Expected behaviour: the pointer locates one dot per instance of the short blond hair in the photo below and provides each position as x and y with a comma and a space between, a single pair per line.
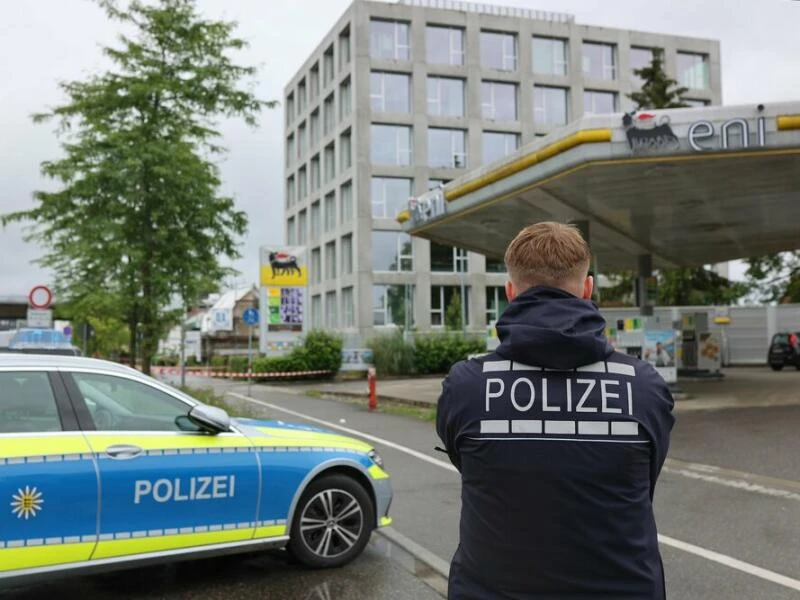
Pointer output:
547, 253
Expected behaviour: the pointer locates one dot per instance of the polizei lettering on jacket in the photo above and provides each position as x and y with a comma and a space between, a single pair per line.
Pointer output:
582, 395
185, 489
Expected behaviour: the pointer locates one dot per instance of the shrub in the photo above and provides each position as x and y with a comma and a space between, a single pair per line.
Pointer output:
436, 354
191, 361
219, 362
392, 355
237, 364
323, 351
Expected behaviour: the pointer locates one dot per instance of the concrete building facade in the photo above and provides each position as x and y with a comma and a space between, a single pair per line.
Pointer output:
401, 97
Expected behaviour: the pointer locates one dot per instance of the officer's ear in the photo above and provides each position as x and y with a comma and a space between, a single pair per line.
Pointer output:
511, 292
588, 287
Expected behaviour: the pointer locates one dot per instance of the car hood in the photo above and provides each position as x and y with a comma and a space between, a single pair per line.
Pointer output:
299, 434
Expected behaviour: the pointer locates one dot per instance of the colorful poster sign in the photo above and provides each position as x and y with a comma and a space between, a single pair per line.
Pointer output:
659, 351
284, 279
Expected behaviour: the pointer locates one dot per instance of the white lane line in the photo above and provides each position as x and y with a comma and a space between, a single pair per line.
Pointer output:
723, 559
733, 563
758, 484
353, 432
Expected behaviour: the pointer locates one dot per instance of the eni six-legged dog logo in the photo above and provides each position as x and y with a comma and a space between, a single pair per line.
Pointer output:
647, 133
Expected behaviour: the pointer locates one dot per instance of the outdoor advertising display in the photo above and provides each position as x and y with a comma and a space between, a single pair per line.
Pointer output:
283, 298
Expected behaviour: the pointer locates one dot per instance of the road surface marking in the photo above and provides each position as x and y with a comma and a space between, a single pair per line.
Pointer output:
723, 559
758, 484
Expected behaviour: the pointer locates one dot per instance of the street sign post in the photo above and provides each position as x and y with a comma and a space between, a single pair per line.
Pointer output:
251, 319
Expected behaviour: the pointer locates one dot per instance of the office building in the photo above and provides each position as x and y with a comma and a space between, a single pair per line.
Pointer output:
401, 97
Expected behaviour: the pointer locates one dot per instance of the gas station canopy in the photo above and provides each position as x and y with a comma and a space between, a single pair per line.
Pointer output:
687, 186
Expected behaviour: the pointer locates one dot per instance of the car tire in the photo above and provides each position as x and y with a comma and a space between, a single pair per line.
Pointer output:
776, 367
332, 523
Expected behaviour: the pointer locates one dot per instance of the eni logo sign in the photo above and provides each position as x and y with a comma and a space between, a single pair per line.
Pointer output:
648, 133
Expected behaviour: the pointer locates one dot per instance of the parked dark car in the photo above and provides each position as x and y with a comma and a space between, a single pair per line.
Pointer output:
784, 350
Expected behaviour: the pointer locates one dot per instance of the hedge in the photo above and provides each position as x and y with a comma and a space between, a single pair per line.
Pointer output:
424, 355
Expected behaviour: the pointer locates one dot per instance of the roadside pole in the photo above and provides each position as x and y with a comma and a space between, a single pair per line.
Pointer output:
183, 351
251, 318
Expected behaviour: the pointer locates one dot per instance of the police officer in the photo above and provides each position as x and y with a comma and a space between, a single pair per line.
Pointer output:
559, 441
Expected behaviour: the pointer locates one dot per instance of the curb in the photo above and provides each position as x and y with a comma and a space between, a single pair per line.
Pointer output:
435, 571
395, 399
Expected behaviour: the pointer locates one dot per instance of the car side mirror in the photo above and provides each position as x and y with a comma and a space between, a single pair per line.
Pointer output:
210, 419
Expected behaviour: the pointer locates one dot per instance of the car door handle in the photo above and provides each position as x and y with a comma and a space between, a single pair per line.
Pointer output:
123, 451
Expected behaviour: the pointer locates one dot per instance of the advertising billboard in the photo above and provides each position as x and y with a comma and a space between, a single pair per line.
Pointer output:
283, 282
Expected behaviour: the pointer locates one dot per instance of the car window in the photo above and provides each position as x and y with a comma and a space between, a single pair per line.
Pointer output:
118, 404
27, 403
780, 338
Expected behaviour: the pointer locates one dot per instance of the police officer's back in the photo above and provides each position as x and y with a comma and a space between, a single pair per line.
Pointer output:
559, 440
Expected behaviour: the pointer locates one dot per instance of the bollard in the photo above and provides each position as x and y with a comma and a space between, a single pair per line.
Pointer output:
373, 398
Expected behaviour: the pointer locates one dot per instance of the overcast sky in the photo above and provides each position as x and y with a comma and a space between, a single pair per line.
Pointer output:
46, 41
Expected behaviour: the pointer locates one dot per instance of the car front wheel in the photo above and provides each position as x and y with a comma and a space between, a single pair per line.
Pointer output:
332, 523
776, 367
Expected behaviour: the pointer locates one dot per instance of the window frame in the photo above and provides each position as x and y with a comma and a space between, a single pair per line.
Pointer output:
564, 61
452, 51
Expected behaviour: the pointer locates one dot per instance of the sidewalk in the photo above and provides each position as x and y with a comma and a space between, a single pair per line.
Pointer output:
742, 387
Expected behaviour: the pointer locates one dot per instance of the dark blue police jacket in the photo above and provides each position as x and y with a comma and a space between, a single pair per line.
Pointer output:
559, 440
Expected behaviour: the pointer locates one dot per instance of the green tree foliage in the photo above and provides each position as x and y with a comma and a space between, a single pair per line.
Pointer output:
658, 90
137, 215
697, 287
453, 319
775, 277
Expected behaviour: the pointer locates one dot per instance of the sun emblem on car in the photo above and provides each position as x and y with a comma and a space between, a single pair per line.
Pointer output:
26, 503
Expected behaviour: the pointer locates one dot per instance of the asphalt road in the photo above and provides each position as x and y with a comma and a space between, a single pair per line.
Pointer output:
727, 506
751, 514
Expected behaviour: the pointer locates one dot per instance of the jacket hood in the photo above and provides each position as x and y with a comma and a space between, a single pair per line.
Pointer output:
551, 328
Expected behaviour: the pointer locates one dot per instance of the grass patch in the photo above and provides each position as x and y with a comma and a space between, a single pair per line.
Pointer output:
418, 413
210, 397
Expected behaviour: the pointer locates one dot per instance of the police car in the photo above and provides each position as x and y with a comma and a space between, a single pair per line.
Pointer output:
103, 467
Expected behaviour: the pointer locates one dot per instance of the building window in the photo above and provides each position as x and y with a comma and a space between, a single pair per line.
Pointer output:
331, 312
301, 140
390, 145
289, 109
315, 174
549, 105
345, 151
316, 312
444, 45
693, 102
390, 92
499, 101
313, 130
313, 82
344, 48
389, 195
347, 254
348, 308
391, 251
496, 302
302, 99
448, 259
291, 150
599, 61
316, 266
693, 70
291, 192
389, 40
346, 203
291, 232
302, 228
393, 305
447, 148
497, 145
640, 58
599, 103
328, 66
330, 162
316, 220
345, 99
442, 296
330, 212
495, 266
302, 183
549, 56
329, 114
330, 260
498, 51
445, 97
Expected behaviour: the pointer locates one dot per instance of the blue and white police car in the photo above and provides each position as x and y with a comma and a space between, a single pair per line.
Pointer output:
103, 467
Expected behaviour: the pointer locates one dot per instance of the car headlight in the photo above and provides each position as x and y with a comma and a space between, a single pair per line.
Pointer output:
376, 458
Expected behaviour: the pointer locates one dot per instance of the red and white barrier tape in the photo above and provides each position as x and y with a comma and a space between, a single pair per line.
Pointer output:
210, 373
